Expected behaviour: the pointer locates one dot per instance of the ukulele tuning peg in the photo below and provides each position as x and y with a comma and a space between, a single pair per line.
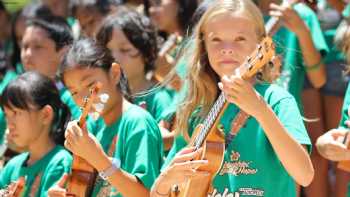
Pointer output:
259, 47
259, 76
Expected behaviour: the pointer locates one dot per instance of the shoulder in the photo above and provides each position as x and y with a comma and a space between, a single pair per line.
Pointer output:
60, 157
273, 93
137, 120
17, 161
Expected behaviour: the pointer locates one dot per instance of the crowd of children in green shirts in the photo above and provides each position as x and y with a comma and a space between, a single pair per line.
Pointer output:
63, 53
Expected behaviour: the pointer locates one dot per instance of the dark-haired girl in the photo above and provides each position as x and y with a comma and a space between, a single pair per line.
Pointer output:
172, 17
44, 43
132, 40
36, 119
90, 13
128, 148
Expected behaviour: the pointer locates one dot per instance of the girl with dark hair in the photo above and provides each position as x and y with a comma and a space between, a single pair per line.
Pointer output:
36, 119
48, 37
127, 150
132, 40
172, 17
89, 14
33, 10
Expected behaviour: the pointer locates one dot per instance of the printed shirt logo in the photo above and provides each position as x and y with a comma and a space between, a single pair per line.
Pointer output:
237, 167
241, 192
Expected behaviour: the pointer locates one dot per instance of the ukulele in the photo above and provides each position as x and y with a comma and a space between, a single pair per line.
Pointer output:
82, 178
14, 189
210, 136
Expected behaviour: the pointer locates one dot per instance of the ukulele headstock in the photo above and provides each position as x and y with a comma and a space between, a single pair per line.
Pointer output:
94, 103
261, 56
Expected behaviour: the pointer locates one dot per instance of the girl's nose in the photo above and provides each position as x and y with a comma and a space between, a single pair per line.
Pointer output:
226, 51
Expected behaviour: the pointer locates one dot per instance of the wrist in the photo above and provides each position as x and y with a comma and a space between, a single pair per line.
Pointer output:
262, 110
114, 167
101, 162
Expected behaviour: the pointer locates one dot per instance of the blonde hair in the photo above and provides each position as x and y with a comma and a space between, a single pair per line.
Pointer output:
201, 78
342, 40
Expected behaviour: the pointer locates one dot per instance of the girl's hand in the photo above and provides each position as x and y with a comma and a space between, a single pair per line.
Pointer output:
82, 143
185, 165
243, 94
330, 145
289, 18
59, 190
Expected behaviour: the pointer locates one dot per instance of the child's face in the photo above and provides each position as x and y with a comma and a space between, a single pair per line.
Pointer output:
127, 55
89, 21
79, 81
38, 52
229, 39
25, 126
163, 13
58, 7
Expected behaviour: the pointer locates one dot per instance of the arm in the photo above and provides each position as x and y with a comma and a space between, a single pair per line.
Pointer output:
86, 146
311, 56
291, 154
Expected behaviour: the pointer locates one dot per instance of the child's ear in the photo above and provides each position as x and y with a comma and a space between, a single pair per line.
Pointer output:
115, 72
46, 114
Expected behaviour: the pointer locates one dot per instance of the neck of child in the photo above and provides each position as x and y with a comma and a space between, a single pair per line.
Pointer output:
118, 106
40, 147
139, 84
175, 29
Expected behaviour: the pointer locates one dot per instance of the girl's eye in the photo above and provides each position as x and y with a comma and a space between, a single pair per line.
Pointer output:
240, 38
37, 47
216, 39
125, 50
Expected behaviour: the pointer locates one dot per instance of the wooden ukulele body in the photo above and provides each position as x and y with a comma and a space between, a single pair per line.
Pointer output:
213, 151
82, 179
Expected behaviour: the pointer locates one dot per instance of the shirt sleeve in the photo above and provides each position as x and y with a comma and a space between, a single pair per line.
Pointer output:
288, 113
54, 173
143, 151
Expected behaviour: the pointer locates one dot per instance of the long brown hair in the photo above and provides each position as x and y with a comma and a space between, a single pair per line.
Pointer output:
201, 78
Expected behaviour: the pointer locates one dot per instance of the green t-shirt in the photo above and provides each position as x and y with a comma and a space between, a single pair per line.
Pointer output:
287, 44
9, 76
48, 170
155, 102
139, 147
346, 11
250, 164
